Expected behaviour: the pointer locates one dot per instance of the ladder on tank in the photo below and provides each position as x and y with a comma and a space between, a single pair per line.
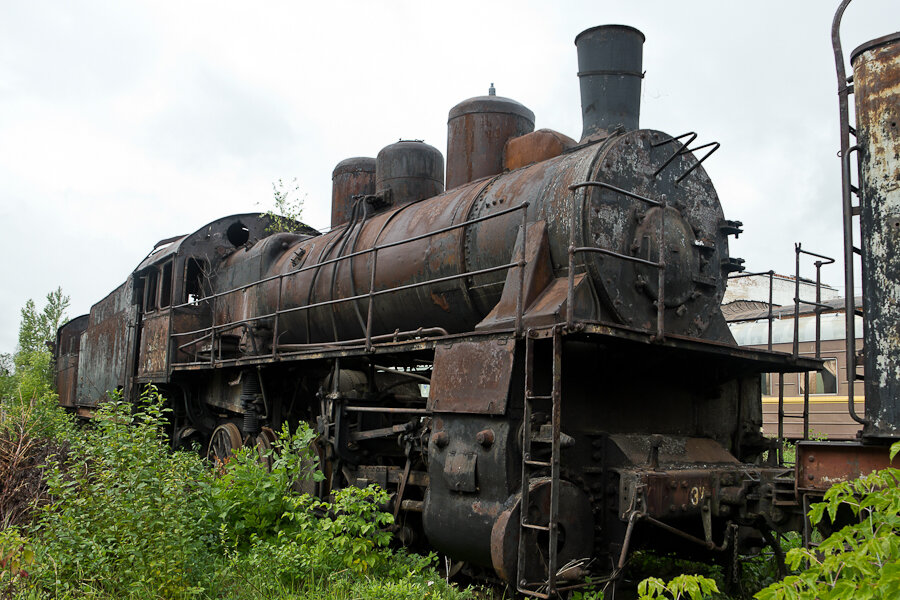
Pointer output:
850, 210
530, 465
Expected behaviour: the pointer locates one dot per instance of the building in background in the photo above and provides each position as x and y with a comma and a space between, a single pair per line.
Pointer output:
746, 309
756, 288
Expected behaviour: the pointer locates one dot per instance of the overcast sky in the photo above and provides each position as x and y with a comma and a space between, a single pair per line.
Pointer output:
123, 123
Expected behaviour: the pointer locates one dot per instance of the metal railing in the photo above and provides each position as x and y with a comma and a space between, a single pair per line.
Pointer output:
819, 307
216, 329
660, 265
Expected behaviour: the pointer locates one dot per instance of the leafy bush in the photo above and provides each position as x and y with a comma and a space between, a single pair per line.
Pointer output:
694, 587
16, 557
347, 536
861, 560
248, 500
120, 515
127, 516
344, 542
130, 518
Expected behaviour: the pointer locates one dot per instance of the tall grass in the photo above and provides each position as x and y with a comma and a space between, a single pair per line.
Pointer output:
124, 517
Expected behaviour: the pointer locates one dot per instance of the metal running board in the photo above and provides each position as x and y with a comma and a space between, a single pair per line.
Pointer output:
547, 588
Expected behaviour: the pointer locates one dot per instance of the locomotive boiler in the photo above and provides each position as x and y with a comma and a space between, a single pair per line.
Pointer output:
532, 362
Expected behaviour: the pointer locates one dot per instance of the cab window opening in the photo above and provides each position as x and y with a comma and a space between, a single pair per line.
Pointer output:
139, 296
150, 291
165, 292
193, 280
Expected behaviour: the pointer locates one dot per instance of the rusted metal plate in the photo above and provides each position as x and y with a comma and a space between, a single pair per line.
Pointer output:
472, 377
675, 493
552, 305
154, 351
820, 465
459, 471
672, 450
105, 347
537, 276
66, 350
67, 379
721, 354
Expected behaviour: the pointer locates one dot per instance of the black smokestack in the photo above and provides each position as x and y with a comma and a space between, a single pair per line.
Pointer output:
610, 73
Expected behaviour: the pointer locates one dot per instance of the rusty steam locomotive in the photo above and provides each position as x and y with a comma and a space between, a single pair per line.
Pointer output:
532, 362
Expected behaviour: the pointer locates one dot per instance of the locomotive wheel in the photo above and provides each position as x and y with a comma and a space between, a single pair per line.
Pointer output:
264, 440
225, 439
576, 531
186, 436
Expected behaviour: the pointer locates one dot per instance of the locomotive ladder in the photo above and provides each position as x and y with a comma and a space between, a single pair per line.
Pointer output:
848, 190
530, 465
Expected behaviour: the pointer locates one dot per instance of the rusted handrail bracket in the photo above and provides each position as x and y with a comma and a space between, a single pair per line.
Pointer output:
685, 150
613, 188
369, 295
520, 294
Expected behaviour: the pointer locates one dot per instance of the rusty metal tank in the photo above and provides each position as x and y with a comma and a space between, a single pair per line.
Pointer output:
351, 177
534, 147
876, 80
477, 130
411, 170
696, 247
609, 74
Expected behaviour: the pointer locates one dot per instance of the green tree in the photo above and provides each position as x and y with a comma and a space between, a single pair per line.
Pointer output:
7, 369
39, 327
28, 373
285, 217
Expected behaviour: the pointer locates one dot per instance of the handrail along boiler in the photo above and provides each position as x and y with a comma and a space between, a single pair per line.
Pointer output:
560, 300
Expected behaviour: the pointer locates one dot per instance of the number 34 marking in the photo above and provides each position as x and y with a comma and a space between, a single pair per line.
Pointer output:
698, 494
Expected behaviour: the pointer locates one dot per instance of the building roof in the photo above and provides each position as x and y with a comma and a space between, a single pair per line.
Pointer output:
748, 322
751, 310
